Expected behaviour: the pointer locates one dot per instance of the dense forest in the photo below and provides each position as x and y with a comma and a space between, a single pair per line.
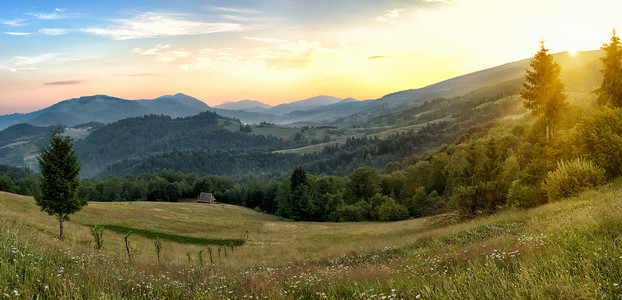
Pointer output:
339, 159
145, 135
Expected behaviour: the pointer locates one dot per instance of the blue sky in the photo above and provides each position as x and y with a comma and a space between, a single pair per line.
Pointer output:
273, 50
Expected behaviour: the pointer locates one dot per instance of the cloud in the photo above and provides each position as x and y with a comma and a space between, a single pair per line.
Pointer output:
5, 68
242, 19
25, 60
265, 40
162, 52
23, 63
286, 54
13, 23
58, 13
18, 33
391, 17
53, 31
300, 54
67, 82
235, 10
377, 57
149, 25
198, 64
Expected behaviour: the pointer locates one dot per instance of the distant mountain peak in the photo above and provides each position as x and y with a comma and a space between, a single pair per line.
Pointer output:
106, 109
244, 105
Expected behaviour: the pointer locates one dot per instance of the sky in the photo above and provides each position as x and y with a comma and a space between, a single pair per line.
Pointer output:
274, 51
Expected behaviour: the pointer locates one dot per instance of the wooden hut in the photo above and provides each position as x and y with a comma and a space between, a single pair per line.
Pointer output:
206, 198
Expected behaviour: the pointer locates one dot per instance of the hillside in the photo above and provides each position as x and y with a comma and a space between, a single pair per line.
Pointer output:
563, 250
19, 144
246, 105
580, 74
106, 109
146, 135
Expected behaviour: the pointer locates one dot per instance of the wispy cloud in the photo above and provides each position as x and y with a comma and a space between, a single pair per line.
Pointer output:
58, 13
13, 23
265, 40
18, 33
66, 82
235, 10
162, 52
31, 60
198, 63
391, 17
53, 31
150, 25
211, 57
282, 54
24, 63
5, 68
377, 57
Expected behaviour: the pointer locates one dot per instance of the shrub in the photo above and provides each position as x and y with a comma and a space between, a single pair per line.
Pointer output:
349, 213
98, 232
391, 211
521, 195
573, 177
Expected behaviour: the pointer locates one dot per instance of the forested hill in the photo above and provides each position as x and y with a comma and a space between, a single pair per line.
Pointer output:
438, 122
106, 109
141, 136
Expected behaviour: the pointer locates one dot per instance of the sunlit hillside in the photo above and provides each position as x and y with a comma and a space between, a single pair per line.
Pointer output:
563, 250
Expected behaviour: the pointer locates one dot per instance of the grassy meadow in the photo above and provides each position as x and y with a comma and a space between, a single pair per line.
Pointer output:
569, 249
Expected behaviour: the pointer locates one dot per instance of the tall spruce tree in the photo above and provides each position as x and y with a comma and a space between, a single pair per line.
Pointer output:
543, 89
610, 91
58, 163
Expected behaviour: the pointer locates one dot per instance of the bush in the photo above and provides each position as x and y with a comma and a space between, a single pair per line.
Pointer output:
391, 211
520, 195
348, 213
571, 178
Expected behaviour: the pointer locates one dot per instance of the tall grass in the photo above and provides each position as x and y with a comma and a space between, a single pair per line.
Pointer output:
150, 234
569, 249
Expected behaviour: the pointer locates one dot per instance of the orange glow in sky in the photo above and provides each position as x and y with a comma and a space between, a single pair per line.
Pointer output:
274, 51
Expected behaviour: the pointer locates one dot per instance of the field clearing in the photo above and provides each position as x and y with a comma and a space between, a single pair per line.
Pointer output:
270, 239
571, 249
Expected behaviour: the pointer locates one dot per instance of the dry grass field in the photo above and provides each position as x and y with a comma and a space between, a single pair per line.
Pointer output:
564, 250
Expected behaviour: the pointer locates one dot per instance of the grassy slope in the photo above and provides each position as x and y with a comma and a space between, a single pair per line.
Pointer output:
564, 250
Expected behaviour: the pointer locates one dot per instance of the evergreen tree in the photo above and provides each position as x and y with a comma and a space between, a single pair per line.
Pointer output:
543, 90
58, 163
610, 91
299, 177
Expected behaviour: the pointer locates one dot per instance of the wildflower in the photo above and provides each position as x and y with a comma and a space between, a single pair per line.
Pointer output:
16, 293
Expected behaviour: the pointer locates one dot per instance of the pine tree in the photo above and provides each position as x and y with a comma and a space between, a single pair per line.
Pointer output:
299, 177
610, 91
58, 163
543, 90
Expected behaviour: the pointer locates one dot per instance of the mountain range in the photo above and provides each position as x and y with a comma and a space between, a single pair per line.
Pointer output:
580, 73
111, 130
106, 109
